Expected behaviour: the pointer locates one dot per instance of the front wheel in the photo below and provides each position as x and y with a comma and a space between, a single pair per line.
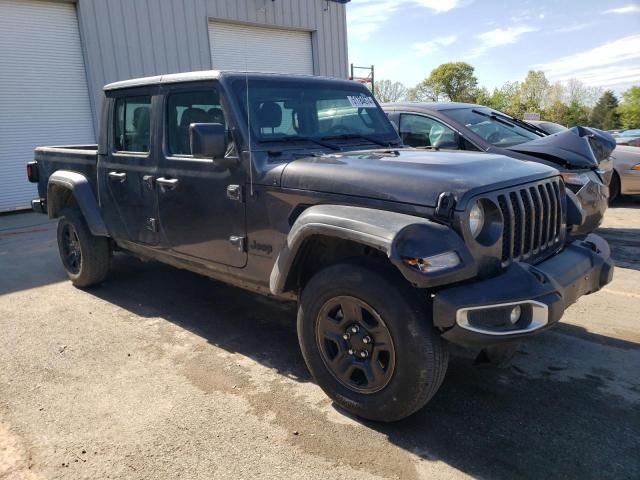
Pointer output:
367, 338
85, 257
614, 187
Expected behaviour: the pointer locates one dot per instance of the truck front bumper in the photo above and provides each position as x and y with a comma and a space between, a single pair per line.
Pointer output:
523, 300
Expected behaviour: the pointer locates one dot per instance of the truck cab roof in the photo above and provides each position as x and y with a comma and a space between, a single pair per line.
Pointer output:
205, 75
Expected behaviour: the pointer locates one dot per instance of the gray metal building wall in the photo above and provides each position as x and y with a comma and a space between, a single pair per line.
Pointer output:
134, 38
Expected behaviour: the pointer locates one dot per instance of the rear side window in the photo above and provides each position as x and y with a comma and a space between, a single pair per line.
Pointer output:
185, 108
133, 124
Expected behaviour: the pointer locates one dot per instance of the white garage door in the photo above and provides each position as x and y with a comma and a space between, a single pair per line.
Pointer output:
259, 49
43, 90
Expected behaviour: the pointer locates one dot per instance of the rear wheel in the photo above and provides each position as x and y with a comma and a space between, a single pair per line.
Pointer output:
85, 257
614, 187
367, 339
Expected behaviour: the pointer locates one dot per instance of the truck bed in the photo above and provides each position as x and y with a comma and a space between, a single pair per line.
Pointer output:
76, 158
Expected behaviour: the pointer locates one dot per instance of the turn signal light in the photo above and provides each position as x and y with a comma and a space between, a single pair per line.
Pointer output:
442, 261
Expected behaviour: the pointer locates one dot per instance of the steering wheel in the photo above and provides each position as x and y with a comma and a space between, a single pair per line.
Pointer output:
339, 130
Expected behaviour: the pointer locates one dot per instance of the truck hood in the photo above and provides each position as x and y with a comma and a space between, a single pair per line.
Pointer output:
577, 147
408, 175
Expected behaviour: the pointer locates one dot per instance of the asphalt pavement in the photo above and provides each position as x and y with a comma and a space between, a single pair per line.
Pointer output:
161, 374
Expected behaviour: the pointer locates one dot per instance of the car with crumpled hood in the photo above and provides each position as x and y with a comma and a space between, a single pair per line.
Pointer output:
582, 155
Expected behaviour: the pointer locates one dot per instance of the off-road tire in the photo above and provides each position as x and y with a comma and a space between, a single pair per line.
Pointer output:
614, 188
94, 260
420, 355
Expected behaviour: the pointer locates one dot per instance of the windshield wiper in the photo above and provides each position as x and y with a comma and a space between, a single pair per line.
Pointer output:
493, 116
347, 136
301, 139
499, 117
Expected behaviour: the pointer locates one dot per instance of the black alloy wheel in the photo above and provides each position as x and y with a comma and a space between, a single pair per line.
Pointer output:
71, 252
355, 344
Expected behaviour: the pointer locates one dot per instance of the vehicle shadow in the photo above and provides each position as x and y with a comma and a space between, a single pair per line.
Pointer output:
625, 245
484, 422
28, 252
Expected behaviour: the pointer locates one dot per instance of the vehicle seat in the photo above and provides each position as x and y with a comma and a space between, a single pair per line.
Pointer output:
269, 115
216, 115
142, 125
189, 116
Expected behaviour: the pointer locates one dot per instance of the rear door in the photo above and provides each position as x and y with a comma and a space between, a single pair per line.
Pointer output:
127, 171
201, 207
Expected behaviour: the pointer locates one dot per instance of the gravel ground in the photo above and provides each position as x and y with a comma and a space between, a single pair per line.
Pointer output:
159, 373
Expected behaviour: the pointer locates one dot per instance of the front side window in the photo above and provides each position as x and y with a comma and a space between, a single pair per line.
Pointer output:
495, 128
421, 131
185, 108
291, 110
133, 124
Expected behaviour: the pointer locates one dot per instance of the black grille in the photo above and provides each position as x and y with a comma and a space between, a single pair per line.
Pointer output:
532, 220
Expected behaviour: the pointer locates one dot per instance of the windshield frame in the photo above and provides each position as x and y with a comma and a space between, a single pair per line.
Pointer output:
237, 93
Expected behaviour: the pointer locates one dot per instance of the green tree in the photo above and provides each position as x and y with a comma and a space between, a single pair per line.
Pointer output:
422, 93
577, 114
452, 81
605, 113
533, 91
482, 96
507, 99
557, 112
629, 109
388, 91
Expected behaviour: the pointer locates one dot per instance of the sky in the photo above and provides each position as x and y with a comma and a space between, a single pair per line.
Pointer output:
597, 42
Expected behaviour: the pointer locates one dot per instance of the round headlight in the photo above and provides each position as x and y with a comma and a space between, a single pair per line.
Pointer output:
476, 219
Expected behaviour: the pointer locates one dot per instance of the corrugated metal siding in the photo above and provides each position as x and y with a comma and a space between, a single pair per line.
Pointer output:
132, 38
44, 98
261, 49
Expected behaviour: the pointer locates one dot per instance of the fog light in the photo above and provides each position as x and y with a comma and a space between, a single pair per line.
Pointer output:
434, 263
516, 313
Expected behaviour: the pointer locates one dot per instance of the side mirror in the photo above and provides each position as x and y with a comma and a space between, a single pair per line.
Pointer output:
208, 140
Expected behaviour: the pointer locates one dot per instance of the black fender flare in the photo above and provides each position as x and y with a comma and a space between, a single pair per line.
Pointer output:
397, 235
81, 190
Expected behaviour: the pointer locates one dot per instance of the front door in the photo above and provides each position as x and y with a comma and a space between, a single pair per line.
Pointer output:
126, 174
201, 209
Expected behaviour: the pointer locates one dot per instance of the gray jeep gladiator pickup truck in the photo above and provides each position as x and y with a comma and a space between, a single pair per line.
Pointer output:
298, 187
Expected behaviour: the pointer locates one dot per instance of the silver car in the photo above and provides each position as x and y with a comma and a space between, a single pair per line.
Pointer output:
626, 176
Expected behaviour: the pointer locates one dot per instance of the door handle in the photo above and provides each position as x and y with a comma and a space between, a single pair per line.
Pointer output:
169, 183
119, 176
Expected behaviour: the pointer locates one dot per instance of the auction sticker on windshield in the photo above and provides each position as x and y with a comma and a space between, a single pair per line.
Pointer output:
361, 101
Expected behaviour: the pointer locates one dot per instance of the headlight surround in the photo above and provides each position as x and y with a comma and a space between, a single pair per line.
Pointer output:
476, 219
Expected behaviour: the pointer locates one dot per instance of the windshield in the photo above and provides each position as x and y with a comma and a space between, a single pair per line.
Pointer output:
551, 127
290, 110
495, 128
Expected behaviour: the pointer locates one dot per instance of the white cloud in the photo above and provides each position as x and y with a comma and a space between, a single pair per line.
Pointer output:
425, 48
498, 37
367, 16
632, 8
575, 28
613, 63
502, 36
